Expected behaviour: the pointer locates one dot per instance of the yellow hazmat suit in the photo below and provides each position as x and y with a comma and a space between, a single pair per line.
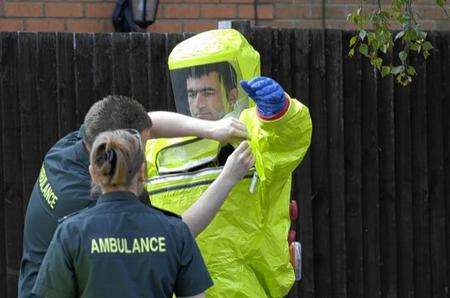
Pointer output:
245, 247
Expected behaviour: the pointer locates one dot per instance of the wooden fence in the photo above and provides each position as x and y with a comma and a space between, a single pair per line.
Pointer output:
373, 191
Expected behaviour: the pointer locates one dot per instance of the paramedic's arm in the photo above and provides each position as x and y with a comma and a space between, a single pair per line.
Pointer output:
171, 125
201, 213
56, 277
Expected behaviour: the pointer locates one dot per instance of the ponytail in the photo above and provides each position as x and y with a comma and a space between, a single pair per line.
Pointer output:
117, 156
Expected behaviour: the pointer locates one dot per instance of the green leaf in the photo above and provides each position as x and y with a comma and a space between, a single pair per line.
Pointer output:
427, 46
426, 54
384, 48
353, 40
415, 47
351, 53
385, 70
440, 3
397, 69
362, 34
403, 55
411, 70
364, 49
377, 62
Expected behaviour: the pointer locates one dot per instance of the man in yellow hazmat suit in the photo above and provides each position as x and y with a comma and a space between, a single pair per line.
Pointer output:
245, 245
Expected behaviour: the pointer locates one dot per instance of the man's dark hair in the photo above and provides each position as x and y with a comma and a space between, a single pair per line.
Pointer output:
115, 112
227, 74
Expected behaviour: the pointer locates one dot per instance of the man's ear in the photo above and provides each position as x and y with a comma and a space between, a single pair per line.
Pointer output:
142, 175
232, 95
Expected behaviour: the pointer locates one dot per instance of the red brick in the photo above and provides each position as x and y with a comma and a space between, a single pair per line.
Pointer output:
265, 11
159, 13
346, 1
218, 11
181, 11
78, 25
237, 1
165, 26
11, 25
337, 12
203, 1
199, 26
277, 23
108, 27
291, 11
99, 10
432, 25
441, 25
316, 12
339, 24
64, 9
23, 9
430, 12
313, 24
170, 1
44, 25
246, 11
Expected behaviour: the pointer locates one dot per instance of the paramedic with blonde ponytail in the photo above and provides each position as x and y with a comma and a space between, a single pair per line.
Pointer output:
122, 247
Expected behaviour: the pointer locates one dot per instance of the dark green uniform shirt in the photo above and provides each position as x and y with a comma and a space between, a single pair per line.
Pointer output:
122, 248
63, 187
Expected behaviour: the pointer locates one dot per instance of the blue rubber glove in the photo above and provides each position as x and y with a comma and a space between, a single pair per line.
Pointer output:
267, 94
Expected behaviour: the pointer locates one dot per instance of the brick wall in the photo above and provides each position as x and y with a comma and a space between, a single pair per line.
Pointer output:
194, 15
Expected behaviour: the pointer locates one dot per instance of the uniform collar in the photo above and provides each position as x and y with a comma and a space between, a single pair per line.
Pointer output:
115, 196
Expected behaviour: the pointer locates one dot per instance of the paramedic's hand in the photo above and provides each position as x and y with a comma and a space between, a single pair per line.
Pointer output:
268, 95
238, 163
227, 130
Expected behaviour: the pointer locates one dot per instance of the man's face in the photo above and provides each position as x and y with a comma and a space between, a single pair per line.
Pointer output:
206, 97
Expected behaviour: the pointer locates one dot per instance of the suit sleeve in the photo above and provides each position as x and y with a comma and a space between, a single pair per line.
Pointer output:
280, 143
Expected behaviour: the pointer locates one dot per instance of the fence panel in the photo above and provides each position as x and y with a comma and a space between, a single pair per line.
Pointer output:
156, 69
67, 117
388, 223
103, 65
373, 192
84, 76
405, 249
353, 170
301, 51
3, 271
446, 129
334, 98
262, 42
319, 168
171, 41
422, 273
47, 89
370, 190
435, 97
31, 152
121, 63
12, 164
138, 74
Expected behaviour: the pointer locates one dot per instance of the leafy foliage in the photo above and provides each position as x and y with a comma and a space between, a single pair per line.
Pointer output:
378, 41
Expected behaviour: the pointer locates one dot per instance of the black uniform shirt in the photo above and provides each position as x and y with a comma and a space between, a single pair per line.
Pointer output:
62, 187
122, 248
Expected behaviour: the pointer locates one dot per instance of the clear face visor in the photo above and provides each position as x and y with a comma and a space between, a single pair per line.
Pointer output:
209, 91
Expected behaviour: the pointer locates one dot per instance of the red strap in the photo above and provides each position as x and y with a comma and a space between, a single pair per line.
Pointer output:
277, 115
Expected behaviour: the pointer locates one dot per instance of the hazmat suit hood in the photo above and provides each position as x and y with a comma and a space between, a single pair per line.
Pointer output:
205, 73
